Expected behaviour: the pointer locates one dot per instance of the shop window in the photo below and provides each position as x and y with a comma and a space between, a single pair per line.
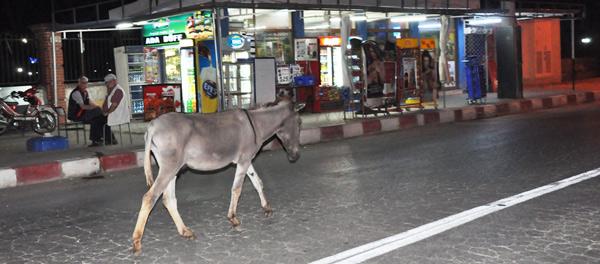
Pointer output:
277, 44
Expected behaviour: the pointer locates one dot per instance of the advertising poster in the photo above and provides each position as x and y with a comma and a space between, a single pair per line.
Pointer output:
207, 79
409, 73
160, 99
188, 82
306, 49
275, 44
151, 68
375, 69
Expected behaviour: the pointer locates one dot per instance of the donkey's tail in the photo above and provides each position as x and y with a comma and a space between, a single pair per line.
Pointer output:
148, 157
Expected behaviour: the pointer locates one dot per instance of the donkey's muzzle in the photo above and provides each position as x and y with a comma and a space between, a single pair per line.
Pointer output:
293, 157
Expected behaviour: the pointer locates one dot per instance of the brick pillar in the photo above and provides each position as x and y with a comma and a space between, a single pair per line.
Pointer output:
43, 40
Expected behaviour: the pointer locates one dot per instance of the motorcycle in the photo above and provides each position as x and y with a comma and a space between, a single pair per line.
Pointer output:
42, 118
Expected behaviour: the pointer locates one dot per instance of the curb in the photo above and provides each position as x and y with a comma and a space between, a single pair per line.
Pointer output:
74, 168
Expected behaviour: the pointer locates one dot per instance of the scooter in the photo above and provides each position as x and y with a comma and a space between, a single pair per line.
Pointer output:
41, 118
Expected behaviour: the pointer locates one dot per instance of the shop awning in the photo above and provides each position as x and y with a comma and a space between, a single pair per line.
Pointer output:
143, 9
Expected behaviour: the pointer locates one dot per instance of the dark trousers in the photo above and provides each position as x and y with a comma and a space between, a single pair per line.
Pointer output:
97, 122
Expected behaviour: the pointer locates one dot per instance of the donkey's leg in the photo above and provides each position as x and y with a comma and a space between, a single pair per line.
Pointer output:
165, 174
258, 185
170, 202
236, 191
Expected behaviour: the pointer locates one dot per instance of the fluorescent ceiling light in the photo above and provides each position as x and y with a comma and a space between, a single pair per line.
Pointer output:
318, 27
431, 25
124, 25
140, 23
335, 19
484, 21
358, 18
401, 19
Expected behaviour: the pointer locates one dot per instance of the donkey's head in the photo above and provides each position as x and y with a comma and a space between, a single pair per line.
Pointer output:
289, 132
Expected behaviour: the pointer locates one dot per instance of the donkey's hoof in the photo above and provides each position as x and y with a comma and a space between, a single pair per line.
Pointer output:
234, 221
188, 234
137, 247
268, 211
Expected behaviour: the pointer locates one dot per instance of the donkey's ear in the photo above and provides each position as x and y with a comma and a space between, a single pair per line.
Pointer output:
299, 107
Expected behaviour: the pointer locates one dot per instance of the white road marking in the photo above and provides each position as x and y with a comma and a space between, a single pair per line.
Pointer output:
385, 245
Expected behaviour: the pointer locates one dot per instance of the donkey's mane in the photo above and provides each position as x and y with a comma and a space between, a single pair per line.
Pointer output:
279, 101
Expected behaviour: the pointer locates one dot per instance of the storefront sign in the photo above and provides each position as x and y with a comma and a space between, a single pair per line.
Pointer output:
236, 41
170, 30
199, 26
407, 43
163, 40
427, 43
330, 41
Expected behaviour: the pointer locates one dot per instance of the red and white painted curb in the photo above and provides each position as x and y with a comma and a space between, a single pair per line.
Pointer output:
62, 169
22, 175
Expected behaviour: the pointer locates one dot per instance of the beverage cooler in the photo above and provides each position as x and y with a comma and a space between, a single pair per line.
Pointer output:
248, 82
330, 58
238, 84
328, 95
129, 66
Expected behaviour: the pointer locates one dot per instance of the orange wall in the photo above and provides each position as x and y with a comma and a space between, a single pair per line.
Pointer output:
540, 46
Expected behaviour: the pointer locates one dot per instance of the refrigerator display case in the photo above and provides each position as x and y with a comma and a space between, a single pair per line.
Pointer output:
328, 95
188, 81
330, 58
238, 85
129, 65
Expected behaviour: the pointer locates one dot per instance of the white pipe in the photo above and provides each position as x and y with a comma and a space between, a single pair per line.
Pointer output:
55, 83
97, 29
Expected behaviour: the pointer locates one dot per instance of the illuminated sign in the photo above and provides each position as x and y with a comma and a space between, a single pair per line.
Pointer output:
407, 43
427, 43
330, 41
236, 41
164, 39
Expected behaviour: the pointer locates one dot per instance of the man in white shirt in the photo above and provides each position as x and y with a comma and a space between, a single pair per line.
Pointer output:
116, 105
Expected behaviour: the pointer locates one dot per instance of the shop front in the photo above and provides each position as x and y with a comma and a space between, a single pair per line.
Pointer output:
331, 60
179, 72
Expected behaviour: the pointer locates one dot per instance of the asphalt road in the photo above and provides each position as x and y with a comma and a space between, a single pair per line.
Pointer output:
341, 195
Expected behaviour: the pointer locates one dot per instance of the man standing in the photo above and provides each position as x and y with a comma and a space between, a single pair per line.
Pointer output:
81, 109
116, 105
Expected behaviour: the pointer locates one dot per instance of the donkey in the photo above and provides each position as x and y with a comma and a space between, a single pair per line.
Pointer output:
210, 142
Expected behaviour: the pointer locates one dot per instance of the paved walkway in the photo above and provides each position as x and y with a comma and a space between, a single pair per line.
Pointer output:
15, 153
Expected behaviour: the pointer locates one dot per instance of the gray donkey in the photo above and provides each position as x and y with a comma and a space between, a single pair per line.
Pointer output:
210, 142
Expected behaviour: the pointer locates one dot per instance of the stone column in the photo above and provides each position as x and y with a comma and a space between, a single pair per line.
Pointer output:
43, 41
508, 49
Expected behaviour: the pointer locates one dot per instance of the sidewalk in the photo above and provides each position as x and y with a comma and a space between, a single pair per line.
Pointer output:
19, 167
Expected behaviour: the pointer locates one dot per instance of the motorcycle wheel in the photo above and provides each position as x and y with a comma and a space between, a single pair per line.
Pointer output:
45, 123
3, 124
